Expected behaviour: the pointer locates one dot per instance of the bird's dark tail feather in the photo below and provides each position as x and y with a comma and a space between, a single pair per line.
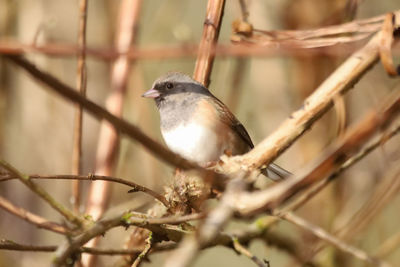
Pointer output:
276, 173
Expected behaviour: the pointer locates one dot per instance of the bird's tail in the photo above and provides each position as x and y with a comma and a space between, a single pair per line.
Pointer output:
276, 173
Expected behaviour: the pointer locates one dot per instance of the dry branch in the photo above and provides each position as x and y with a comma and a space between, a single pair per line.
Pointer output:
334, 157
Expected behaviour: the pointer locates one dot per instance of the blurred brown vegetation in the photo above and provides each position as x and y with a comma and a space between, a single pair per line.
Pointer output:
36, 127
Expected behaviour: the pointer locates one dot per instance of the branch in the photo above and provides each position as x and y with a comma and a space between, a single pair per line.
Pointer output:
91, 177
244, 251
32, 218
146, 250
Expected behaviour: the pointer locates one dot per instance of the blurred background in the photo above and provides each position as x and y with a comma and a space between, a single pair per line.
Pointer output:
36, 125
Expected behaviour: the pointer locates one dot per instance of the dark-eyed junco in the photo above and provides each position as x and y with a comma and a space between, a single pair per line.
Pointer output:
197, 125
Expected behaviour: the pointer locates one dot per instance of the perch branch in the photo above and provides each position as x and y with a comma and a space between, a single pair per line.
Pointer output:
335, 156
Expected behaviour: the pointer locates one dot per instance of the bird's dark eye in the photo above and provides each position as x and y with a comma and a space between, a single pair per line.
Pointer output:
169, 85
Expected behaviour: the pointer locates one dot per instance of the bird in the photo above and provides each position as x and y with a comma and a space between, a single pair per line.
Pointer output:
197, 125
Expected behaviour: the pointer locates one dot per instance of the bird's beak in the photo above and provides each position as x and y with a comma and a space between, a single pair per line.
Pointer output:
152, 93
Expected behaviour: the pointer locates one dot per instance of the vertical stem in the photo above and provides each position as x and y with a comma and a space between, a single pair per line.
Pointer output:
244, 10
81, 86
206, 55
108, 143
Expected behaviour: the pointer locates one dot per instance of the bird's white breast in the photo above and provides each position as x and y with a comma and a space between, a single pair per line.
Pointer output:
194, 142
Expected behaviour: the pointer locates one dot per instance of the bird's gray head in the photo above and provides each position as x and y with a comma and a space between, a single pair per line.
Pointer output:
172, 85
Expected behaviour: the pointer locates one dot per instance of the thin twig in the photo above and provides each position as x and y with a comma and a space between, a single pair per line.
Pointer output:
11, 245
69, 215
91, 177
81, 87
244, 11
146, 250
32, 218
244, 251
322, 234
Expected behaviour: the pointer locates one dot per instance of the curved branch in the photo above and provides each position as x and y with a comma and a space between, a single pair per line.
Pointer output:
32, 218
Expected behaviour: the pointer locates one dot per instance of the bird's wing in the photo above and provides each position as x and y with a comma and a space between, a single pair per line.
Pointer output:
273, 171
230, 120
